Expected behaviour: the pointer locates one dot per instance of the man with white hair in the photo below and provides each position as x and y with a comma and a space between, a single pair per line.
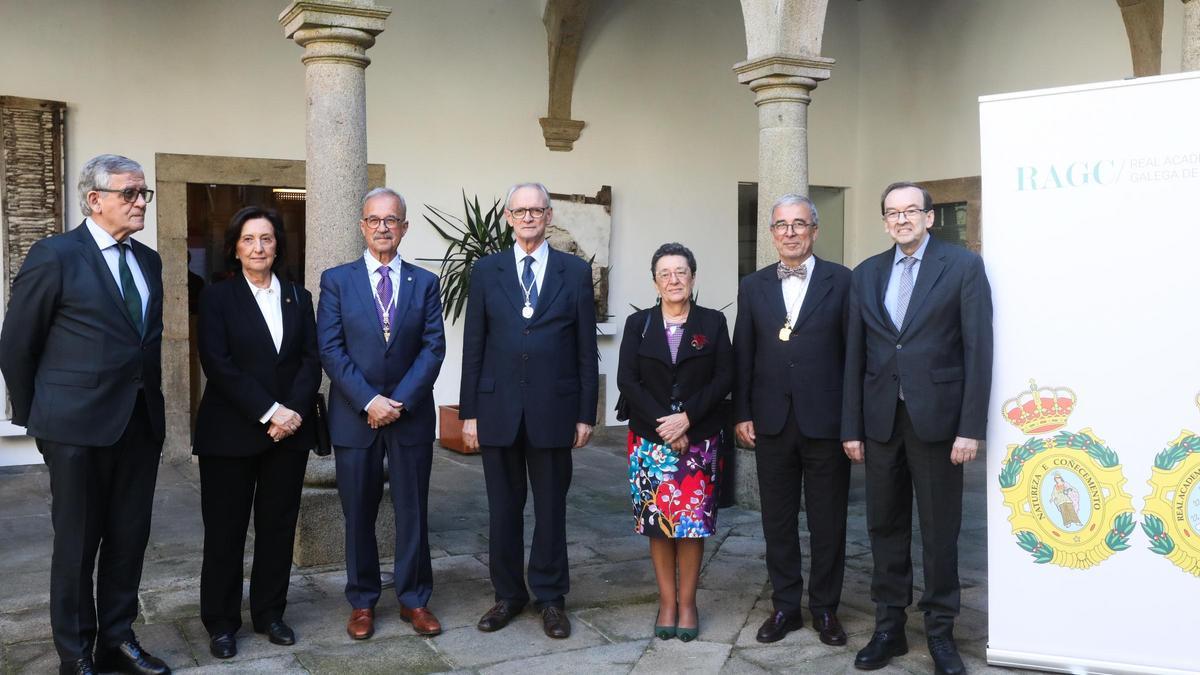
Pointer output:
81, 352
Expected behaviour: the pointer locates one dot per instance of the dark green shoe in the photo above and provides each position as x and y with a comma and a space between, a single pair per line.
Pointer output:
687, 634
664, 632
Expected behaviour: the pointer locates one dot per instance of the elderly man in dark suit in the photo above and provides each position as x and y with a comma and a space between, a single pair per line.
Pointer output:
81, 355
528, 397
918, 377
790, 345
379, 327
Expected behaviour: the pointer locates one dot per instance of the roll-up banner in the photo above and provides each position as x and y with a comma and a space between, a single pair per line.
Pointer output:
1091, 237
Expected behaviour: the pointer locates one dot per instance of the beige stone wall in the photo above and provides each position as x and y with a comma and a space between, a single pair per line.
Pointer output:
456, 87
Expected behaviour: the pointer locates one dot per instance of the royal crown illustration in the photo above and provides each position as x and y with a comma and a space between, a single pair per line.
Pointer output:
1040, 410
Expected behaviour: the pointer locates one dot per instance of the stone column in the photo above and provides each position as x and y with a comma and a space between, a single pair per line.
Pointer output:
1191, 35
782, 86
335, 35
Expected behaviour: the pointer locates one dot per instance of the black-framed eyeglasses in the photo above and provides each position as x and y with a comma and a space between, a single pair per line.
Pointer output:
374, 222
910, 214
536, 212
796, 226
130, 195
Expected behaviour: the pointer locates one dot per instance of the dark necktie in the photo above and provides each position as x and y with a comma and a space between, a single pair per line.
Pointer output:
129, 289
529, 281
384, 306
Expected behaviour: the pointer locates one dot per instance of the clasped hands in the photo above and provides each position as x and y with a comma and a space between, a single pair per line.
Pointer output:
470, 432
673, 430
382, 411
283, 423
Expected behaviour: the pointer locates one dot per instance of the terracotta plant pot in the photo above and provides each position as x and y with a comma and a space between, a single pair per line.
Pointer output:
451, 430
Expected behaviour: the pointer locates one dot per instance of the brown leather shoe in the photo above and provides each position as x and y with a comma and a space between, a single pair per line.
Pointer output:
423, 620
361, 624
555, 622
829, 629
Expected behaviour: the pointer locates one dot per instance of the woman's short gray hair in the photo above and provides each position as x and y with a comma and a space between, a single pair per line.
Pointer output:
379, 191
793, 198
520, 186
95, 174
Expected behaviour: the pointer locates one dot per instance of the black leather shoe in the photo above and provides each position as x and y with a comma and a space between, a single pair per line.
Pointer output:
129, 657
779, 625
829, 629
279, 633
880, 650
555, 622
83, 666
498, 616
946, 660
223, 645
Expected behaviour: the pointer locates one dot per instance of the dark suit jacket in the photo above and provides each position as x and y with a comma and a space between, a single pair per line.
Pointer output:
806, 371
246, 375
701, 376
360, 364
72, 359
542, 369
942, 353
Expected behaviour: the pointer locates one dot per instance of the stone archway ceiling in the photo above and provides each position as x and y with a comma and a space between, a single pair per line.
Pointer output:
1143, 25
565, 21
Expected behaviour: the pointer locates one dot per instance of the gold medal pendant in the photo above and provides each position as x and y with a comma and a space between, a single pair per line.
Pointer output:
527, 312
785, 333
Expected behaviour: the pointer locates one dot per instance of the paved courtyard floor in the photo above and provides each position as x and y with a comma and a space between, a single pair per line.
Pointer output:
611, 604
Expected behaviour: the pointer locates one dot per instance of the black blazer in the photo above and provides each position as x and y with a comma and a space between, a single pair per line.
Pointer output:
806, 371
702, 374
72, 359
942, 353
245, 374
542, 369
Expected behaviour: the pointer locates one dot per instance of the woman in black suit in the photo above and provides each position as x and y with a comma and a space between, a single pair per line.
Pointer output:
676, 366
258, 347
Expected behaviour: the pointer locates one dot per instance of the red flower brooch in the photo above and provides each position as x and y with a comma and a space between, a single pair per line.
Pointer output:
698, 341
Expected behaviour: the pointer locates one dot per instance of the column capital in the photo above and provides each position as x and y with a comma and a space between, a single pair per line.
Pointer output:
812, 68
338, 31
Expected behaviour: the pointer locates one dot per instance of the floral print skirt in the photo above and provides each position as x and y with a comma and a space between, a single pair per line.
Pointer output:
674, 494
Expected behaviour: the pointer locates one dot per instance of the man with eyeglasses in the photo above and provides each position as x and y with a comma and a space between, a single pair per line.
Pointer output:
918, 377
790, 344
81, 352
379, 328
528, 396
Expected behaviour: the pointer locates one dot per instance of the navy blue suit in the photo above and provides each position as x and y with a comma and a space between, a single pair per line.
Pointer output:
528, 382
360, 366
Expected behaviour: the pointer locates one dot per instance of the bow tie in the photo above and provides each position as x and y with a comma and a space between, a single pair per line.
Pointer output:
784, 272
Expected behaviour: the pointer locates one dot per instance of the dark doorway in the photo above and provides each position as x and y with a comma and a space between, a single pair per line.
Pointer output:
209, 210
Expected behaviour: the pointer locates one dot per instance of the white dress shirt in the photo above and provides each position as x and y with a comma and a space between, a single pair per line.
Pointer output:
271, 306
393, 269
794, 290
108, 248
540, 255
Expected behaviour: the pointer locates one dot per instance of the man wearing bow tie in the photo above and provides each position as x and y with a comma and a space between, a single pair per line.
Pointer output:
528, 397
790, 345
379, 327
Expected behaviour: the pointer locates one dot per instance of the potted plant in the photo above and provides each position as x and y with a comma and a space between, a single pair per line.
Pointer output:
470, 238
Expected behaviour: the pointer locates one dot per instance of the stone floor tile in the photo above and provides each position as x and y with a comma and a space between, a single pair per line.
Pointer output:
239, 666
522, 638
673, 656
410, 654
458, 568
615, 658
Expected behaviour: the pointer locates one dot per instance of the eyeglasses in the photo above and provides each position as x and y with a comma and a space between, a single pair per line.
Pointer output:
796, 226
666, 275
374, 222
910, 214
130, 195
536, 212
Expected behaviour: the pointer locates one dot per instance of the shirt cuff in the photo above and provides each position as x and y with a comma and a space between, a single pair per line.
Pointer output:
267, 417
368, 405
